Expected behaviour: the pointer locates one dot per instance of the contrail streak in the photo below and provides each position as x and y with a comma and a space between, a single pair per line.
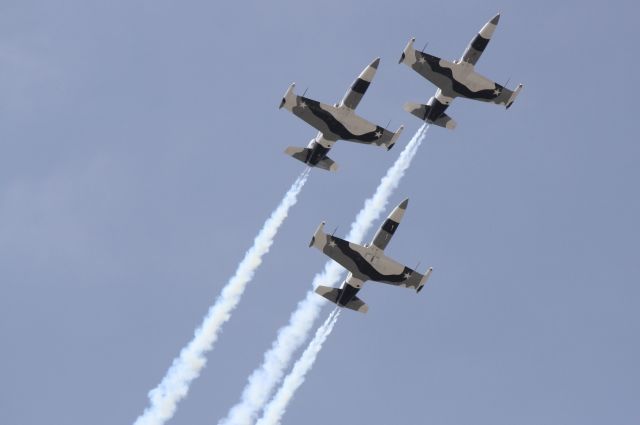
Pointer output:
276, 408
263, 380
188, 365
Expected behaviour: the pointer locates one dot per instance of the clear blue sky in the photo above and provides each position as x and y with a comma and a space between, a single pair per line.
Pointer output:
141, 150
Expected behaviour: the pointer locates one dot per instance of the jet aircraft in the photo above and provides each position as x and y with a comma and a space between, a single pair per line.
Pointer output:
456, 79
366, 262
338, 122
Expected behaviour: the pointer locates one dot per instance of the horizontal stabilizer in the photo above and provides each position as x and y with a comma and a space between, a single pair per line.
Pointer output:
303, 155
422, 111
333, 295
327, 164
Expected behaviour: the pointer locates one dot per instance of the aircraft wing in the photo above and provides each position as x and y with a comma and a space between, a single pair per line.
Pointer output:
337, 123
437, 70
343, 252
366, 132
318, 115
394, 273
367, 263
478, 87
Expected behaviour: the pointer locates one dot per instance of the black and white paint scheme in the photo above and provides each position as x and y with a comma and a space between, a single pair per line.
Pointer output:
338, 122
456, 79
366, 262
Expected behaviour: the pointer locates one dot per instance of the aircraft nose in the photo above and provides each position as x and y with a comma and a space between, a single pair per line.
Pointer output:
495, 19
375, 63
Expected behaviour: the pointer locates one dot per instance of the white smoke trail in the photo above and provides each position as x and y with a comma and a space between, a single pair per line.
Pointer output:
263, 380
188, 365
276, 408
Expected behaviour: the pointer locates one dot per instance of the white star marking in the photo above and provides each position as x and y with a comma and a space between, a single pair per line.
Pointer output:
421, 59
496, 91
303, 105
378, 134
332, 243
407, 275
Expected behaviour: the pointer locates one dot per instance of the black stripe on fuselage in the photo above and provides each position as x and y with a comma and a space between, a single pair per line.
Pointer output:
360, 86
336, 127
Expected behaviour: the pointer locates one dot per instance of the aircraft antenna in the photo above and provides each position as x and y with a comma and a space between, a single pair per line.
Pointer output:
305, 91
508, 79
417, 265
425, 46
334, 231
388, 124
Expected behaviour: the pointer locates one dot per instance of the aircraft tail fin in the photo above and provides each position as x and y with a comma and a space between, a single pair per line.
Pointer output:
333, 295
303, 155
422, 111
